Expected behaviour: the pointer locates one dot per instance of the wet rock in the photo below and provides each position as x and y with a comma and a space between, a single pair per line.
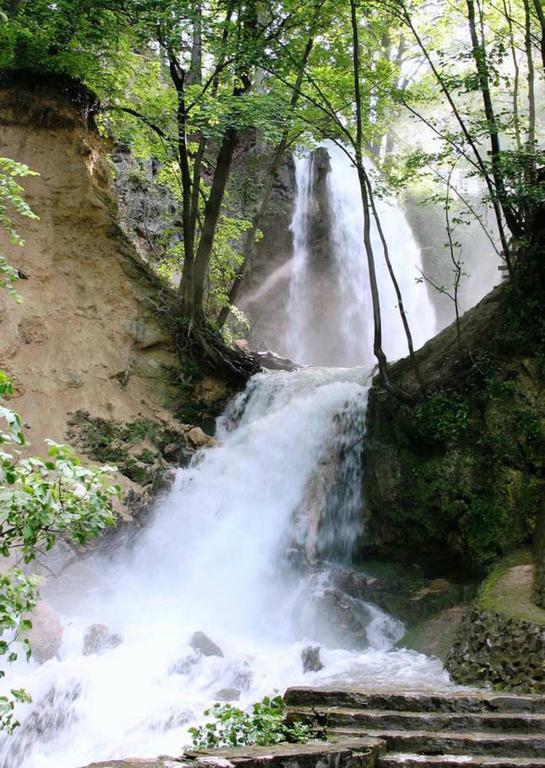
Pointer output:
202, 644
52, 714
198, 438
353, 583
228, 694
45, 637
494, 648
272, 361
338, 620
184, 666
242, 679
310, 656
169, 720
99, 639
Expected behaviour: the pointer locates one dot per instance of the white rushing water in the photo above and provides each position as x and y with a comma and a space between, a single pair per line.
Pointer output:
250, 546
298, 304
232, 551
350, 319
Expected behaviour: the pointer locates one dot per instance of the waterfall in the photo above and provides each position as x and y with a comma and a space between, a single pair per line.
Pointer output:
345, 323
250, 545
246, 547
298, 328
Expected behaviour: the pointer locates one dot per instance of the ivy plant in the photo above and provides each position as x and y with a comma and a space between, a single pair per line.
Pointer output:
265, 723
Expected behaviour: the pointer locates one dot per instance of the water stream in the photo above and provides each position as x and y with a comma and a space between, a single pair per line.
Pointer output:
249, 546
341, 331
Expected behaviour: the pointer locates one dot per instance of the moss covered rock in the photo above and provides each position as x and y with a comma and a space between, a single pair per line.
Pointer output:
501, 641
142, 450
455, 480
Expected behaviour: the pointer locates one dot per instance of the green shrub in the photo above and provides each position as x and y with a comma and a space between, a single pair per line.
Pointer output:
265, 723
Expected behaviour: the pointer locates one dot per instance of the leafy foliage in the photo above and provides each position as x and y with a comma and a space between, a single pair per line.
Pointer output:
264, 724
40, 499
12, 203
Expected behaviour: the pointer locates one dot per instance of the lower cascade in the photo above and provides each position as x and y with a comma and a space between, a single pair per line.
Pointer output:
226, 592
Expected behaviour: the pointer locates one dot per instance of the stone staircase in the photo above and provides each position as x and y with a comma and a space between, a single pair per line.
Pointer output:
431, 730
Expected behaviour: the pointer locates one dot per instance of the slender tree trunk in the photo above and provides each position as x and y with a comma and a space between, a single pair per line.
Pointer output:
194, 75
395, 283
203, 143
190, 181
496, 203
367, 205
362, 178
211, 218
540, 13
186, 283
516, 69
531, 137
479, 56
455, 262
248, 37
375, 297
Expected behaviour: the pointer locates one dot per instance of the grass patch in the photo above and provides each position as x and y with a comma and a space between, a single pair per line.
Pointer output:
508, 589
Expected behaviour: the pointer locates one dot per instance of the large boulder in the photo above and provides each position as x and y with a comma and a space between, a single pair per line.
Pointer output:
336, 619
46, 634
99, 639
198, 438
454, 480
310, 656
202, 644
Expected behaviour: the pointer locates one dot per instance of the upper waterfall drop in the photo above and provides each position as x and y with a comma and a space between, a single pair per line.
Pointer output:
329, 294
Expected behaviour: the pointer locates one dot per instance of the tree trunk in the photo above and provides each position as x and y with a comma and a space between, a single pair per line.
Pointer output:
540, 13
397, 289
185, 288
531, 137
479, 56
248, 38
516, 69
364, 186
194, 75
362, 178
539, 560
211, 219
479, 162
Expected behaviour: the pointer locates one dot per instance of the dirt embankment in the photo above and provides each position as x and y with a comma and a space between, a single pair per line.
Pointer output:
86, 345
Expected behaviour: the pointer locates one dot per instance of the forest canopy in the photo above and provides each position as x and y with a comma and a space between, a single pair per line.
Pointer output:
412, 90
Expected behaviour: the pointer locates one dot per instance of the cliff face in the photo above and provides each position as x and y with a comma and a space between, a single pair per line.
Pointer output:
86, 349
456, 480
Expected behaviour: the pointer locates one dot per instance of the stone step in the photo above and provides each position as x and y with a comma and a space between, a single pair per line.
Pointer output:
404, 760
411, 701
430, 743
382, 719
343, 753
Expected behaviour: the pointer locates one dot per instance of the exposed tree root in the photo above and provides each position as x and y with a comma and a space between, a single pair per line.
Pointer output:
206, 346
